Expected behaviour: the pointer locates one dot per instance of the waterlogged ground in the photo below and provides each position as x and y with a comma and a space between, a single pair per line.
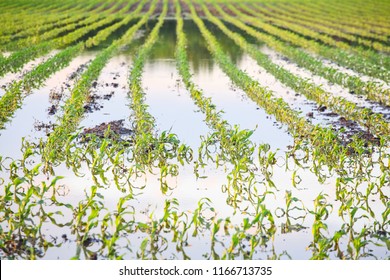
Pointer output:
98, 204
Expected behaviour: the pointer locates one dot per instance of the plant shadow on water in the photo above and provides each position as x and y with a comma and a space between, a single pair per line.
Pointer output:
254, 201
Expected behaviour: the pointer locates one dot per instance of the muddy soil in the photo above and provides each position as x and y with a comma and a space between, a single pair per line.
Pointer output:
113, 130
57, 95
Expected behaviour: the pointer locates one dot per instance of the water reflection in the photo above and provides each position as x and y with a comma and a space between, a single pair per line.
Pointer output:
198, 54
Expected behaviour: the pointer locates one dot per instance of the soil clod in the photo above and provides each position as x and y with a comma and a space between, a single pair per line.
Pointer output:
113, 130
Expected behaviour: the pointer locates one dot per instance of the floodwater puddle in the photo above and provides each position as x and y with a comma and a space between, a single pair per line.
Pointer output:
170, 103
348, 71
336, 90
108, 99
307, 108
33, 120
237, 108
15, 76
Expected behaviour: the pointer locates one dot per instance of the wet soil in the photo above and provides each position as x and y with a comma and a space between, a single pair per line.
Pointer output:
46, 127
113, 130
199, 10
224, 8
346, 129
133, 7
93, 102
145, 8
349, 129
57, 95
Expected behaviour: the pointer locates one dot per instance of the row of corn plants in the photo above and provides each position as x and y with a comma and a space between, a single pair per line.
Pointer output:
329, 31
343, 58
373, 122
308, 18
151, 151
370, 55
17, 59
373, 90
230, 146
76, 22
25, 19
73, 109
18, 90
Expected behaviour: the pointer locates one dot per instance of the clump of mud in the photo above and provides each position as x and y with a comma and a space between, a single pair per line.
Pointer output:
113, 130
351, 129
346, 129
93, 104
46, 127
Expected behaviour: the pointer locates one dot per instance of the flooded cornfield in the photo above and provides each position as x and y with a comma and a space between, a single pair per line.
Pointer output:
186, 129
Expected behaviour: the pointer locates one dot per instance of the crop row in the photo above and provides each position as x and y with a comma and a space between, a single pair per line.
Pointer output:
73, 109
231, 146
25, 19
373, 122
342, 57
17, 59
373, 16
151, 151
46, 30
370, 55
18, 90
213, 117
372, 90
307, 16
